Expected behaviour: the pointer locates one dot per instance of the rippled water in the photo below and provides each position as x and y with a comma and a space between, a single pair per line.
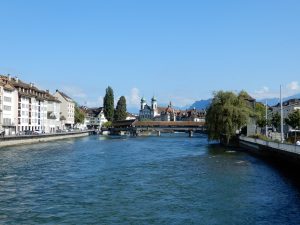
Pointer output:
154, 180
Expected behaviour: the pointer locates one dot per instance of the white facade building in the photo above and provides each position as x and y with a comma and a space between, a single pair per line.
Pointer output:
9, 98
148, 112
94, 117
67, 109
53, 122
25, 107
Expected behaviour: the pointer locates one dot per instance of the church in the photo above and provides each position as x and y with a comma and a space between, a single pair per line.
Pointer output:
156, 113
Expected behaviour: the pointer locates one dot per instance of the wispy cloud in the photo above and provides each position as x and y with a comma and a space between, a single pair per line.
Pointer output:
134, 98
293, 86
289, 89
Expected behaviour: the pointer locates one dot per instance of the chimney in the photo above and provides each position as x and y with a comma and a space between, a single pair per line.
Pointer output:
9, 77
17, 79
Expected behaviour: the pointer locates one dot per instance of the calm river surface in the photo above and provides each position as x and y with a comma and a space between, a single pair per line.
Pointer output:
153, 180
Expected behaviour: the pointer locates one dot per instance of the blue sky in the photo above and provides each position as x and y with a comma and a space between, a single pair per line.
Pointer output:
178, 50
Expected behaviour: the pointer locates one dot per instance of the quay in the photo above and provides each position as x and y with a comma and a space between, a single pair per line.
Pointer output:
273, 150
31, 139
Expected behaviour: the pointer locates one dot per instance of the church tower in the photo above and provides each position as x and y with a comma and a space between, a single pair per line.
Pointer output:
154, 103
154, 106
143, 103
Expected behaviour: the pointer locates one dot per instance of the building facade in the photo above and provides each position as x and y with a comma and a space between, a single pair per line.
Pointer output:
25, 107
67, 109
9, 99
148, 112
94, 117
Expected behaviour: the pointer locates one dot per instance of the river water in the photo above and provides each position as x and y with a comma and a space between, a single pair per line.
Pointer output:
153, 180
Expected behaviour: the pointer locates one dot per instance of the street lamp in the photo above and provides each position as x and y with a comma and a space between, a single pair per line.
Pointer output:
281, 115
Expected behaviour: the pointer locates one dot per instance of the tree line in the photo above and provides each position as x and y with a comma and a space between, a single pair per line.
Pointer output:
111, 113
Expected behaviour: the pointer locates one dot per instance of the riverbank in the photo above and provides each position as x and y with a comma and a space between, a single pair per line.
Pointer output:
284, 153
31, 139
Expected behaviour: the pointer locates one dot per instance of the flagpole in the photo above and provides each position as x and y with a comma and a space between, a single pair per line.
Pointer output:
266, 118
281, 113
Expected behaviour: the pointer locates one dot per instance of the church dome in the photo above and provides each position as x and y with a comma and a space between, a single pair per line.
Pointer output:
153, 99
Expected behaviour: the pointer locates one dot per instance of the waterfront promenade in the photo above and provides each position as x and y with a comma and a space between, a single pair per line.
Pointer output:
31, 139
281, 147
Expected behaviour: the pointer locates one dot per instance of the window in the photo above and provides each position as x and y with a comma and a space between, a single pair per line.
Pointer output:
7, 107
6, 120
7, 99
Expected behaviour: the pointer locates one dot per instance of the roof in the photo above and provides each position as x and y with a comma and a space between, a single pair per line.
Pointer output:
167, 124
91, 111
131, 115
135, 123
25, 89
66, 97
294, 101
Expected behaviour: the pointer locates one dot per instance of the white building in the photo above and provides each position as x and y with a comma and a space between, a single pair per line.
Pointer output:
67, 109
131, 116
288, 106
94, 117
8, 107
53, 122
25, 107
148, 112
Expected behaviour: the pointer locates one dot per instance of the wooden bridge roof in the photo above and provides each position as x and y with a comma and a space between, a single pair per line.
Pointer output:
136, 123
168, 124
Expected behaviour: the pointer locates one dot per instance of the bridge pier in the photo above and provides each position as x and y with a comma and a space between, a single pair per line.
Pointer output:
191, 133
158, 133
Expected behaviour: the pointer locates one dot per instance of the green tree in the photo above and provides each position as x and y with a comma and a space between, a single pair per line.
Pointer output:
260, 111
121, 110
107, 124
79, 115
227, 114
293, 120
276, 120
108, 104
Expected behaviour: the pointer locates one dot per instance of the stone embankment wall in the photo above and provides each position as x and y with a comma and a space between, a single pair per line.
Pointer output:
272, 150
31, 139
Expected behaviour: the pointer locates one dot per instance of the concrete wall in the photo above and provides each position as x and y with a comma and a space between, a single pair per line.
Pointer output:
11, 141
274, 145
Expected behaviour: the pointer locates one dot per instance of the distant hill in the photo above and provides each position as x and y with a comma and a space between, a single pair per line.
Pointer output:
275, 101
202, 104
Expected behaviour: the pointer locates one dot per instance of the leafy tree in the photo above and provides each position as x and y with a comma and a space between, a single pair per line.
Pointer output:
227, 114
121, 110
260, 111
79, 115
108, 104
293, 119
276, 120
107, 124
